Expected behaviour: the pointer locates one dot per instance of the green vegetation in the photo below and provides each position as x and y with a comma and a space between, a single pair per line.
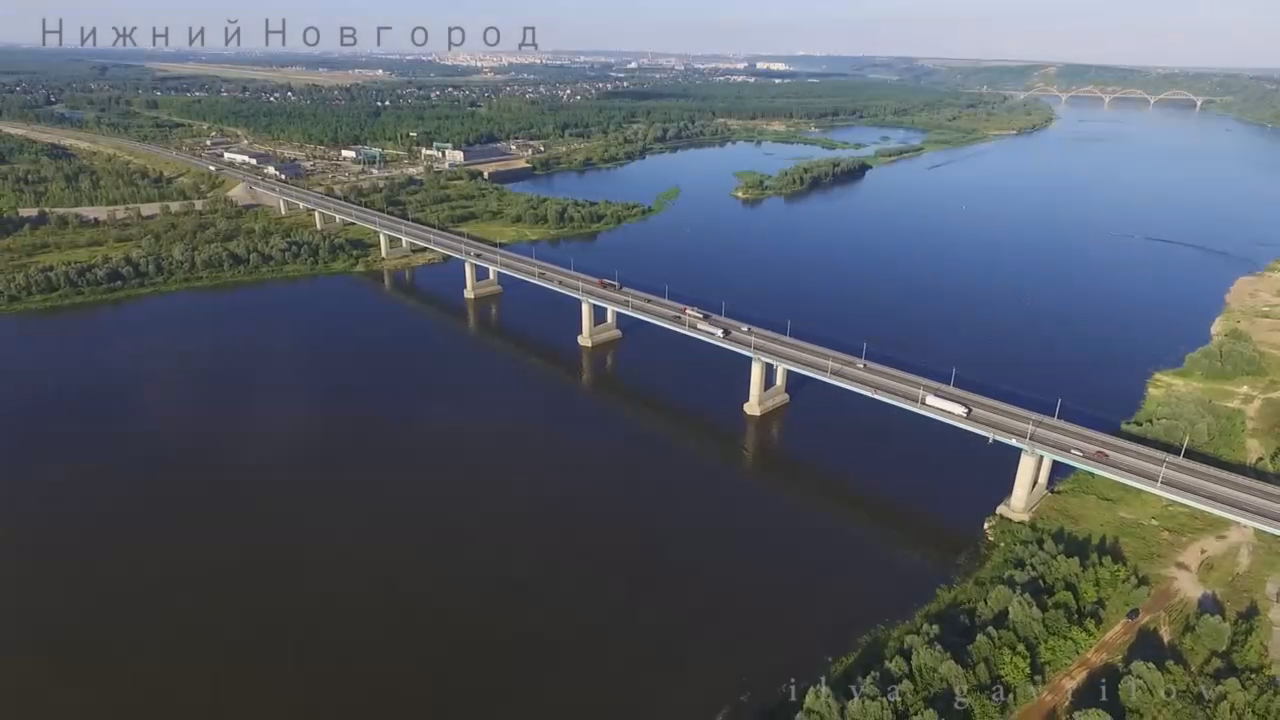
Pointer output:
36, 174
1170, 416
979, 649
1231, 356
799, 178
461, 199
666, 198
650, 117
1216, 667
59, 260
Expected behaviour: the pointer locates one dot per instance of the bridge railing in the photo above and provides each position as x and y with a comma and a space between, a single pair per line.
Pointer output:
938, 374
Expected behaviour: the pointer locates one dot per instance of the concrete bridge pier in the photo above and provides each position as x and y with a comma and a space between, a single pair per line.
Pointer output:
594, 335
761, 399
479, 288
319, 220
384, 241
284, 206
1030, 485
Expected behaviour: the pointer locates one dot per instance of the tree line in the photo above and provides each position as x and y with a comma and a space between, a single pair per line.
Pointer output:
220, 242
36, 174
800, 177
344, 116
983, 647
458, 197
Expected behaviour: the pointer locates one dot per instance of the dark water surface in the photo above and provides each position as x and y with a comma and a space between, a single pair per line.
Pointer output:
344, 497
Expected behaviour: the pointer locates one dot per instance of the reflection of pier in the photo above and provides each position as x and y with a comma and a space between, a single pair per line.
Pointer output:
757, 449
1107, 94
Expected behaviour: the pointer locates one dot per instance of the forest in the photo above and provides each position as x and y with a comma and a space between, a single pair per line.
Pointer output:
799, 178
1215, 667
460, 199
982, 647
353, 115
36, 174
57, 259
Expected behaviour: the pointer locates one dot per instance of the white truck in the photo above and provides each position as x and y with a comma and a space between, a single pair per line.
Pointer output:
948, 406
717, 331
695, 313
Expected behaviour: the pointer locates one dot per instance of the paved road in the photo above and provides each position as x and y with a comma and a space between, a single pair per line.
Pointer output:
1217, 491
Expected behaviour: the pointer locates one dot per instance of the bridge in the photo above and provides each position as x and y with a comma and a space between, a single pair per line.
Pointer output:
1107, 94
1041, 440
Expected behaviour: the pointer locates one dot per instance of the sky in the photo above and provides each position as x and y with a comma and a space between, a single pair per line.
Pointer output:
1208, 33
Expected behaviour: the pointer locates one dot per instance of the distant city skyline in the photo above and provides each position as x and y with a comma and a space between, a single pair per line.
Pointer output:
1185, 33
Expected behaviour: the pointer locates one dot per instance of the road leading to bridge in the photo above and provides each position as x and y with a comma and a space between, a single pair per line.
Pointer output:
1217, 491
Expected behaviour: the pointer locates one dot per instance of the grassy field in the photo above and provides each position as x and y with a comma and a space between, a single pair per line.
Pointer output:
280, 75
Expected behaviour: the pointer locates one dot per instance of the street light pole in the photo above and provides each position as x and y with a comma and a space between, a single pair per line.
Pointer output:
1162, 467
864, 352
722, 307
953, 376
666, 291
1185, 440
1056, 409
788, 328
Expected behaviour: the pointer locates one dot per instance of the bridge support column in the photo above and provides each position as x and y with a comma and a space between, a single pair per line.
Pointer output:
761, 399
1026, 483
284, 206
1042, 481
384, 241
319, 220
594, 335
479, 288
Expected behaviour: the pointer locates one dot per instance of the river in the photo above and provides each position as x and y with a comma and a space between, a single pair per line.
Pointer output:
361, 496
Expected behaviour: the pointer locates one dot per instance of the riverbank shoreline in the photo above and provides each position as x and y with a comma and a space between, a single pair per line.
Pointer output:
1155, 536
83, 300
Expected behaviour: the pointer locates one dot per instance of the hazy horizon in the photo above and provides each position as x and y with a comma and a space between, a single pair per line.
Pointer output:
1228, 34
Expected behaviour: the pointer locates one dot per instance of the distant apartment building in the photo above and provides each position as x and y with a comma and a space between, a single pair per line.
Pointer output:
772, 66
246, 157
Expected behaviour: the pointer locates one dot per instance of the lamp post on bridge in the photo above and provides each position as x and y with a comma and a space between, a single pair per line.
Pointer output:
788, 328
953, 376
1056, 409
1185, 440
1163, 465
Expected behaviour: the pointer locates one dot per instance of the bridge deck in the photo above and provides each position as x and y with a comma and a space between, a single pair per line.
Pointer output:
1211, 489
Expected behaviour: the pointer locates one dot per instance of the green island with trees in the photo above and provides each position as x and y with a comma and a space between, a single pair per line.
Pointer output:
1046, 593
799, 178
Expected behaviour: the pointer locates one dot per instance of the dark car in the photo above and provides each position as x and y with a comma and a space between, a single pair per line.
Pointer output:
1098, 454
1133, 614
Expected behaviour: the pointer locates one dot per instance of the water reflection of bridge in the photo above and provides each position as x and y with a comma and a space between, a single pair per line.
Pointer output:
1107, 94
757, 449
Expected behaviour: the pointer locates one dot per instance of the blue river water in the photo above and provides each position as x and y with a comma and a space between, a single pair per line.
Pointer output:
364, 496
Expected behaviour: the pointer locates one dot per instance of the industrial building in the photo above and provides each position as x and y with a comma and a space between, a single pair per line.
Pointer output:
477, 153
362, 154
284, 170
246, 157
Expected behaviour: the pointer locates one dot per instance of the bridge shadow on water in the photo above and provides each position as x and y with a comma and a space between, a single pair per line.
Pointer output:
758, 449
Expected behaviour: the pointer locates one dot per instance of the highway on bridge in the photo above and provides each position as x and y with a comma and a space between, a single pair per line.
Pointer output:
1221, 492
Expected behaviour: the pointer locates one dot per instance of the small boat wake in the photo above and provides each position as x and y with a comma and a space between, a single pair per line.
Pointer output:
1192, 246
